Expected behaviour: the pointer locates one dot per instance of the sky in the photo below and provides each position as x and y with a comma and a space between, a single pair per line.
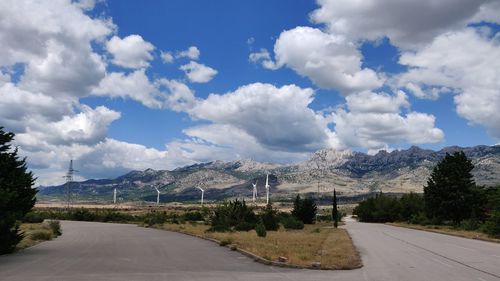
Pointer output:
129, 85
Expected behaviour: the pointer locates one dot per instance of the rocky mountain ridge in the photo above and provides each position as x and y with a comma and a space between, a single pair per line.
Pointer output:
351, 173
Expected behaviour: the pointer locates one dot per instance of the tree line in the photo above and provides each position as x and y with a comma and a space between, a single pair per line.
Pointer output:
450, 197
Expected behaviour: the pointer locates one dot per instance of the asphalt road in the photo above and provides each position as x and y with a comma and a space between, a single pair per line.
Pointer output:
97, 251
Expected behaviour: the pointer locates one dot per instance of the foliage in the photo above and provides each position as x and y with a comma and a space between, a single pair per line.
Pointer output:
292, 223
411, 205
260, 229
304, 209
33, 217
152, 218
17, 197
193, 216
41, 235
492, 224
451, 193
380, 208
228, 215
270, 219
335, 211
55, 226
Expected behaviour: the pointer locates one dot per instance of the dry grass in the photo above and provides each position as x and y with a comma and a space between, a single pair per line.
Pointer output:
443, 229
333, 248
35, 233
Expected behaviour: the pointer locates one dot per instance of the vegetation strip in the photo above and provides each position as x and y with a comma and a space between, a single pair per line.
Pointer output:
447, 231
263, 260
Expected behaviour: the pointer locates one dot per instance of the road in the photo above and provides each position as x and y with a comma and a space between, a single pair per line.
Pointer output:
98, 251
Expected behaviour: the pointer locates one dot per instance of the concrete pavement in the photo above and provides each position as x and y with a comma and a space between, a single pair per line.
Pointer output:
98, 251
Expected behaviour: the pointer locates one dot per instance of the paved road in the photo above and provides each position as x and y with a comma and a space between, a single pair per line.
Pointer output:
96, 251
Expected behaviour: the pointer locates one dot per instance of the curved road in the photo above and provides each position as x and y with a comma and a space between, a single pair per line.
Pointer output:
98, 251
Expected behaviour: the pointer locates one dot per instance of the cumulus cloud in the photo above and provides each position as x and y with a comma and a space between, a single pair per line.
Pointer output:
407, 23
197, 72
192, 53
379, 122
328, 60
264, 58
166, 57
131, 51
465, 62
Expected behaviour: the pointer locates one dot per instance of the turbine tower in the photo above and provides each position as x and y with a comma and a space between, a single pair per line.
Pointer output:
267, 189
254, 195
158, 196
69, 180
114, 196
202, 192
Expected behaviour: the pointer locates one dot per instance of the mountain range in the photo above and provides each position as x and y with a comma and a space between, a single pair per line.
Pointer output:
350, 173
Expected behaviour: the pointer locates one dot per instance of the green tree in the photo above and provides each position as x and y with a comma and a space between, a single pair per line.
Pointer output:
451, 193
269, 218
17, 197
412, 205
304, 210
335, 211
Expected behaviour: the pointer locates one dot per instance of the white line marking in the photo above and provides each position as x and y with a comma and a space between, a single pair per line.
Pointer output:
443, 263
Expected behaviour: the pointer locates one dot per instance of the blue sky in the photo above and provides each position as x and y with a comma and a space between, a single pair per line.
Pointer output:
267, 80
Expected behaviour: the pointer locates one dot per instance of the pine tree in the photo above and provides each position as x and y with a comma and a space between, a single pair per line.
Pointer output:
451, 193
335, 211
17, 196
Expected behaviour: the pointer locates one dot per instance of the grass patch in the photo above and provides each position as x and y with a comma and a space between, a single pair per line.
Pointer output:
445, 229
331, 247
35, 233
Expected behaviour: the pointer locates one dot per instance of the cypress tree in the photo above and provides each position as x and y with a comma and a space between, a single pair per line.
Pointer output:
335, 211
17, 197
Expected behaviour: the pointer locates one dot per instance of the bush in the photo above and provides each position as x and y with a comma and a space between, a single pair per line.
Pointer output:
410, 205
193, 216
293, 223
470, 224
419, 218
244, 226
228, 215
225, 242
83, 215
260, 229
33, 217
270, 219
380, 208
153, 218
304, 210
55, 226
492, 224
41, 235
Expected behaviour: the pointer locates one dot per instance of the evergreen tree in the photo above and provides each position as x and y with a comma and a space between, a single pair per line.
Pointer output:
296, 207
451, 193
304, 210
17, 196
335, 211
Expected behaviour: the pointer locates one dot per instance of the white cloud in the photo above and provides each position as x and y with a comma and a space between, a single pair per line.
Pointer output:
466, 62
407, 23
198, 73
375, 121
277, 118
131, 51
328, 60
192, 53
167, 57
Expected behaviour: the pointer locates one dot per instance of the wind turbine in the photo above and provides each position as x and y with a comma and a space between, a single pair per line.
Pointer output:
254, 190
158, 196
202, 192
114, 196
267, 189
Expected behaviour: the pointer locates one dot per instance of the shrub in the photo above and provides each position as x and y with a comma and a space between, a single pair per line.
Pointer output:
380, 208
33, 217
225, 242
55, 226
410, 205
83, 215
153, 218
470, 224
260, 229
304, 210
193, 216
293, 223
244, 226
41, 235
270, 219
492, 224
228, 215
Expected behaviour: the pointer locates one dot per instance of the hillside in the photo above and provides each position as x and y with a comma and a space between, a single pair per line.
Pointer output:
351, 173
